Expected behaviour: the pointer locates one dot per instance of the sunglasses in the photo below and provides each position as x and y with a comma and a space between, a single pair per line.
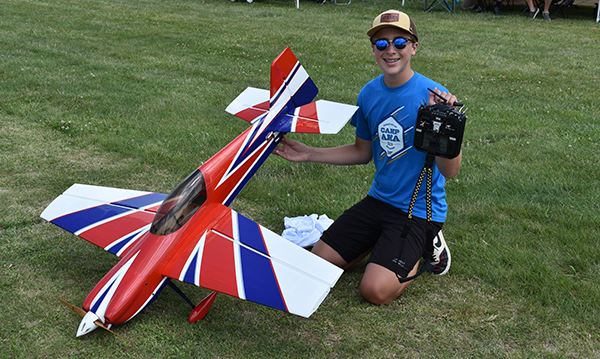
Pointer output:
399, 43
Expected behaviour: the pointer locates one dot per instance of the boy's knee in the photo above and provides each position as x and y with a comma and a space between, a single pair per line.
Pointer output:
378, 295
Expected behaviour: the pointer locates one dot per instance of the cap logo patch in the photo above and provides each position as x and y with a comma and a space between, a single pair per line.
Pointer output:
390, 17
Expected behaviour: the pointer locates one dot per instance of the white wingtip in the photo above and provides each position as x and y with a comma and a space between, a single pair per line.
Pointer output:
333, 116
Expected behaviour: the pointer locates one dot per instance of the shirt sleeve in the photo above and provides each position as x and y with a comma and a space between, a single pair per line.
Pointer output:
360, 122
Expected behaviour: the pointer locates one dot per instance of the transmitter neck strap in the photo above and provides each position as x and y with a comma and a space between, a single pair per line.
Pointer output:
426, 172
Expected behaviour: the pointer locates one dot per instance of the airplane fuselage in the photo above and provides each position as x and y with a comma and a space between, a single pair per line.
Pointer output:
134, 282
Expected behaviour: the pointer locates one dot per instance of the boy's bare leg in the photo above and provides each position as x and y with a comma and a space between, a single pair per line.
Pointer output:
324, 251
380, 285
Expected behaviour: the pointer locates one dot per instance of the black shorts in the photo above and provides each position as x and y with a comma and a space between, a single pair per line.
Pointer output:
372, 223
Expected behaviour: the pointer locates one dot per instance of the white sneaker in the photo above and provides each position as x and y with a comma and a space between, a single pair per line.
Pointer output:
440, 260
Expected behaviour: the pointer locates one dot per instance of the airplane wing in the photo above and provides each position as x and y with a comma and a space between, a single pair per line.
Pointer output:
110, 218
246, 260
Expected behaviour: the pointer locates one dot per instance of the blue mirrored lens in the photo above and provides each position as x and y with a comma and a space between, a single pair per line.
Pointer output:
381, 44
400, 43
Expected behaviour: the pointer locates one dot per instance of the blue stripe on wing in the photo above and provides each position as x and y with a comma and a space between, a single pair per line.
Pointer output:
305, 94
250, 234
78, 220
191, 275
142, 201
260, 283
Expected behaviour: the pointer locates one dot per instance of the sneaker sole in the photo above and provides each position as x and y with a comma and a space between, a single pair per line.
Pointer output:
444, 244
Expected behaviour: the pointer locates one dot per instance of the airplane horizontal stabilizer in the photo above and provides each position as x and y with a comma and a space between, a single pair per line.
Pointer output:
250, 104
110, 218
244, 259
323, 117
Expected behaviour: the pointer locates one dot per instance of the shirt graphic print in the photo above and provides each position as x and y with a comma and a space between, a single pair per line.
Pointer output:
394, 134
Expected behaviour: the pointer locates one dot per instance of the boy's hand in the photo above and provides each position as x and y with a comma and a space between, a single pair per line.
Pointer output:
293, 151
433, 99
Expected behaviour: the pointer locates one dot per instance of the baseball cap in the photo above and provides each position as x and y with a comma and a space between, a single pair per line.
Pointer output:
393, 18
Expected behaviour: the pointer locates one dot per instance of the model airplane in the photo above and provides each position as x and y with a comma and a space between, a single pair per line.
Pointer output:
191, 235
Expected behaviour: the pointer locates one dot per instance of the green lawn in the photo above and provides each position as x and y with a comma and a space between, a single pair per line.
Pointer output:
132, 94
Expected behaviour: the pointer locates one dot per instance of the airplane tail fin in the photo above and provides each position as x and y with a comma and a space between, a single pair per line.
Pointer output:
291, 86
291, 93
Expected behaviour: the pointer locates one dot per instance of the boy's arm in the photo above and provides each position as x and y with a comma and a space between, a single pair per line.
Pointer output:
353, 154
449, 167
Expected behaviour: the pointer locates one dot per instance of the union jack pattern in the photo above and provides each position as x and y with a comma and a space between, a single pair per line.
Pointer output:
213, 247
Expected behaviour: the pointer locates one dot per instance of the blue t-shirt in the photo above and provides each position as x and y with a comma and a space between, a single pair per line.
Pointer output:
386, 117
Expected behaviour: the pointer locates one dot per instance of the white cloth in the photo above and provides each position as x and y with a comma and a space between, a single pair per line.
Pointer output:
305, 231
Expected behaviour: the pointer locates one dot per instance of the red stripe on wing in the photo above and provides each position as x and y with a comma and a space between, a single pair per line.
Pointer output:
153, 209
225, 226
105, 234
217, 271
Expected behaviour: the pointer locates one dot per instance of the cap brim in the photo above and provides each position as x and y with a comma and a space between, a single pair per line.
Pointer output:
374, 30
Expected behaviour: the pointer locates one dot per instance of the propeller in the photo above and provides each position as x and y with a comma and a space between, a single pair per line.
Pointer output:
90, 321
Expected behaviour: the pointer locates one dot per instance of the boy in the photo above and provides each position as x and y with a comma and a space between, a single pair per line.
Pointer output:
388, 105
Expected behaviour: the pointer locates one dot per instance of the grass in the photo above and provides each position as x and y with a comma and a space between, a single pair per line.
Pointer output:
132, 94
